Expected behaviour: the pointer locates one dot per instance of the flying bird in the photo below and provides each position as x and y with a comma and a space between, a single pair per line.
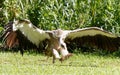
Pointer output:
24, 35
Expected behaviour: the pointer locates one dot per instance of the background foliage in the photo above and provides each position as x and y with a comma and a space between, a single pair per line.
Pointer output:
65, 14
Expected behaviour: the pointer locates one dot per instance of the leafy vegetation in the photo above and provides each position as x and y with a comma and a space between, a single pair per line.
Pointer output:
65, 14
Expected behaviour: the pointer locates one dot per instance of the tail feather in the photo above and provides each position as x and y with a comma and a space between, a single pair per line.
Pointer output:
11, 39
7, 30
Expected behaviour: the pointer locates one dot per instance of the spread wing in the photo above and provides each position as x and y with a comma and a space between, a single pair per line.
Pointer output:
24, 35
93, 37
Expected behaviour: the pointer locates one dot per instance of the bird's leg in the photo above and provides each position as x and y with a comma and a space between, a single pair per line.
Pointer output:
65, 54
53, 59
48, 52
63, 50
55, 55
21, 51
65, 57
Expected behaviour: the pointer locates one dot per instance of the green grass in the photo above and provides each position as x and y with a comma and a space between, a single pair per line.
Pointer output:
78, 64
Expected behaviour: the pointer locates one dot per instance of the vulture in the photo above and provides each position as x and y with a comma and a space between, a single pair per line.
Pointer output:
24, 35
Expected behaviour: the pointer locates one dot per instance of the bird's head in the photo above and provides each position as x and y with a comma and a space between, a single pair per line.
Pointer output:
17, 24
57, 33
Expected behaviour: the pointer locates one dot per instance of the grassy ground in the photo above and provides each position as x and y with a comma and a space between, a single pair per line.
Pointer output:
81, 64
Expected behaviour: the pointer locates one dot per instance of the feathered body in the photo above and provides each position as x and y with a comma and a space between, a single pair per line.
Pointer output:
24, 35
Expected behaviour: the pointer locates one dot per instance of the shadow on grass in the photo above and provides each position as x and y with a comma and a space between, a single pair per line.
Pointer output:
96, 52
14, 50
